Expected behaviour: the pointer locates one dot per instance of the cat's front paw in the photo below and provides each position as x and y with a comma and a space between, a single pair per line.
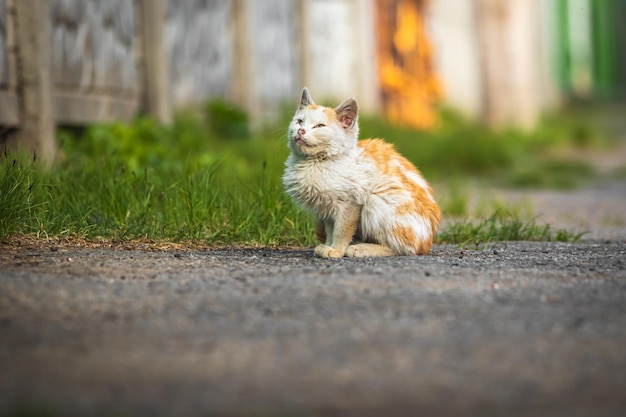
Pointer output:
325, 251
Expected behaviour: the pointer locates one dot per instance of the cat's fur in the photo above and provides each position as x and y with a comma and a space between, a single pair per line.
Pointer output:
367, 199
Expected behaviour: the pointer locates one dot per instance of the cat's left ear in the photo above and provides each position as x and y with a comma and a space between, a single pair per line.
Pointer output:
347, 112
306, 99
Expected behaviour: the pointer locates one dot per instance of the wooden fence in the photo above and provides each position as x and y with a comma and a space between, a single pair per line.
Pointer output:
73, 62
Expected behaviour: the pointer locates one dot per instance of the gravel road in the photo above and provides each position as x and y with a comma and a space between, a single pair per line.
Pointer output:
513, 329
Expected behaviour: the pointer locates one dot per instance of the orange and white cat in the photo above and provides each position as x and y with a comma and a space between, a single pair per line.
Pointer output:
367, 199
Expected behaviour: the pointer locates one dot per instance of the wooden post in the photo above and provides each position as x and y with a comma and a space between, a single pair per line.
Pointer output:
154, 62
242, 86
510, 45
32, 34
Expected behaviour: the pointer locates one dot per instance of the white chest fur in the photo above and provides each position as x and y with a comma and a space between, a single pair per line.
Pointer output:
325, 186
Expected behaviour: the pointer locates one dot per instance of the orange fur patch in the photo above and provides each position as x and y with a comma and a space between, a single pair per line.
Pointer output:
423, 247
407, 236
330, 114
404, 209
393, 165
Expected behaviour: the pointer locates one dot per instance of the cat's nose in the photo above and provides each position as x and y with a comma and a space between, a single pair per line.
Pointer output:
301, 131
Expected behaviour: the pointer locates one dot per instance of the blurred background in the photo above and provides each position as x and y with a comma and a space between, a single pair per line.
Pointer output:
503, 62
167, 119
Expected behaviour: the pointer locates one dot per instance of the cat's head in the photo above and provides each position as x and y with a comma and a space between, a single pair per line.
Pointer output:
318, 130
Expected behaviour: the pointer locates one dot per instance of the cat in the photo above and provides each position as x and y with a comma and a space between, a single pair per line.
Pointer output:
366, 198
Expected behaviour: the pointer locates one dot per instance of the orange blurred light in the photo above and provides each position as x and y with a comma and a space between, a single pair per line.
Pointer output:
409, 85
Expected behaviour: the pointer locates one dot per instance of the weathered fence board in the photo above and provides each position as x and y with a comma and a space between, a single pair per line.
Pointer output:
258, 54
338, 52
331, 48
8, 98
4, 54
93, 60
199, 42
274, 50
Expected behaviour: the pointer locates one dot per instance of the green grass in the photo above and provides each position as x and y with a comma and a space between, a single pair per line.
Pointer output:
16, 189
503, 226
208, 179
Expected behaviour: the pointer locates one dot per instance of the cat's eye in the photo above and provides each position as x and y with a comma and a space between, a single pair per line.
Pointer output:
299, 121
319, 125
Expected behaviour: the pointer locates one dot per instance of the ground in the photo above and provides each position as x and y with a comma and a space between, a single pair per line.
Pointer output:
510, 329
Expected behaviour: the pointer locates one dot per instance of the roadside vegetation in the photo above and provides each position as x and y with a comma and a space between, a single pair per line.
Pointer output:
207, 179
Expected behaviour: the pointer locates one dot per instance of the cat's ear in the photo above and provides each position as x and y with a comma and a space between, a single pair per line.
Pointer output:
306, 99
347, 112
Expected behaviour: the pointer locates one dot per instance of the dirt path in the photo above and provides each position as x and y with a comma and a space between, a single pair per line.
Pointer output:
518, 329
